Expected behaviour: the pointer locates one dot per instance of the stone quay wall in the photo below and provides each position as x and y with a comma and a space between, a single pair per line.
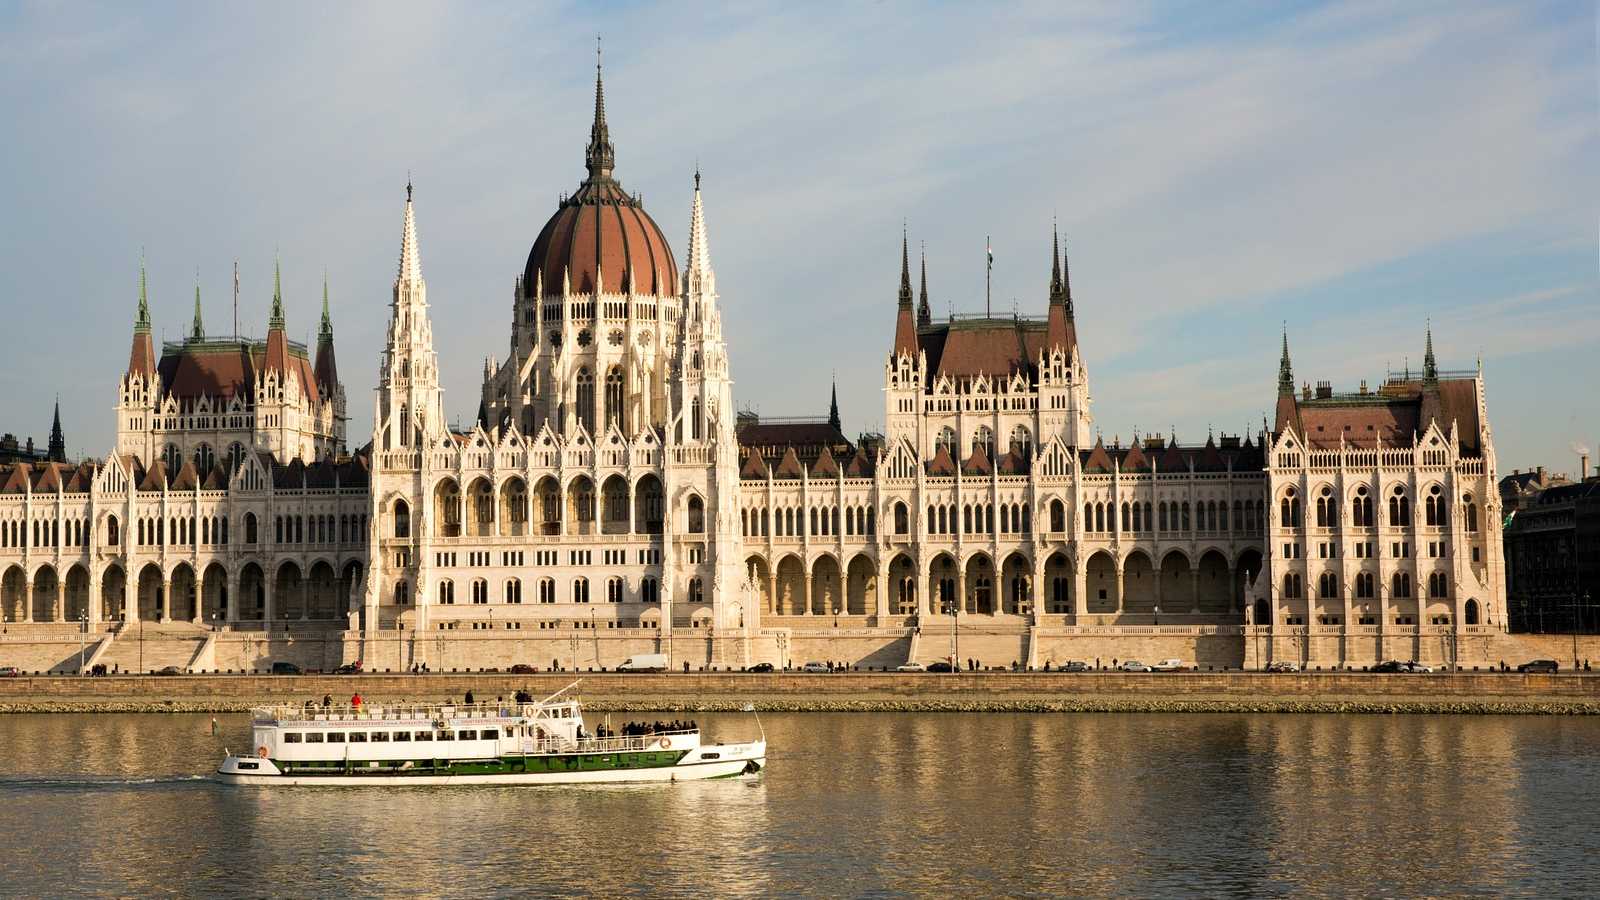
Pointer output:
1003, 691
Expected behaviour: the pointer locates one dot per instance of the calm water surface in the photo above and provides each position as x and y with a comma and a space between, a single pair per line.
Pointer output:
964, 805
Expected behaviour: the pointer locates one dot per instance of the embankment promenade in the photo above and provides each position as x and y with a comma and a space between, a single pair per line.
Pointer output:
1349, 692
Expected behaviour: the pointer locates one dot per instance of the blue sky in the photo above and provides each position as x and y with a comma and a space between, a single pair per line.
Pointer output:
1353, 170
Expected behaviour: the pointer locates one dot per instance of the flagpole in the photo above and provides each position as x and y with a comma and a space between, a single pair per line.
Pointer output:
988, 275
236, 300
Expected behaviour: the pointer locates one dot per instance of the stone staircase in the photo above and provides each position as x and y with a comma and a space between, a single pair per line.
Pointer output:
172, 644
991, 648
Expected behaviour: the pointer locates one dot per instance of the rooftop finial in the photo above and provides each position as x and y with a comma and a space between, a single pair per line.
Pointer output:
326, 331
833, 405
141, 321
1430, 369
924, 315
1055, 262
276, 319
408, 185
197, 332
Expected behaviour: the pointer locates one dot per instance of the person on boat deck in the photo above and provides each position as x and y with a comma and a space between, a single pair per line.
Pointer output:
327, 700
355, 700
469, 698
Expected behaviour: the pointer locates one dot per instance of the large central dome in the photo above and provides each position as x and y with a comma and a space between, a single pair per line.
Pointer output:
601, 233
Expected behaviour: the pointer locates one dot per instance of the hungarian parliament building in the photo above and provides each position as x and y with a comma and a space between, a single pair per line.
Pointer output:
610, 500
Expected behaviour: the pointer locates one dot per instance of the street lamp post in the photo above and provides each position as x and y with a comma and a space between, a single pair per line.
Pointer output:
83, 628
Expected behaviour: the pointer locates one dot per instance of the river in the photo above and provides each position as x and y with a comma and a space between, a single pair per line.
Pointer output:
852, 804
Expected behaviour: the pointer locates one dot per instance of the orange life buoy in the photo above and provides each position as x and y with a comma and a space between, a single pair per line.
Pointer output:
261, 751
666, 743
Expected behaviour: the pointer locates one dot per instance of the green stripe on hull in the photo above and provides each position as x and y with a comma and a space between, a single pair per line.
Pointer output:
585, 762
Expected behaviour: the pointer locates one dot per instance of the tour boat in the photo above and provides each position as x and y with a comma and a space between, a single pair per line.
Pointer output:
543, 742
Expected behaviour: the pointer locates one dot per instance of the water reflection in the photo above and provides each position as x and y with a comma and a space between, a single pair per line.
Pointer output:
852, 804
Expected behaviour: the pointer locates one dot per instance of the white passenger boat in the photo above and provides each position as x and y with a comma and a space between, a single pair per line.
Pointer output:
487, 743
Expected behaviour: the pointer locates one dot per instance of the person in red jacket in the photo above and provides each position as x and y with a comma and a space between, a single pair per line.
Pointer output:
355, 701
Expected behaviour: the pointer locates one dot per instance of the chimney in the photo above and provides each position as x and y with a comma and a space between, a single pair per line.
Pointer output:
1363, 386
1540, 470
1324, 390
1583, 466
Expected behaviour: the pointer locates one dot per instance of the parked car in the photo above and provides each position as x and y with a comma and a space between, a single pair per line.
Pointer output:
1168, 665
911, 667
1133, 665
1418, 668
286, 668
1390, 665
1532, 665
1074, 665
10, 672
815, 667
761, 667
522, 669
349, 668
1283, 665
941, 666
169, 670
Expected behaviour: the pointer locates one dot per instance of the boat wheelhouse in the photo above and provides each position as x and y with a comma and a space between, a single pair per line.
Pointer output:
542, 742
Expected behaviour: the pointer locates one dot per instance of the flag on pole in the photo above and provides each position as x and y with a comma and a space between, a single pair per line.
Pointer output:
990, 250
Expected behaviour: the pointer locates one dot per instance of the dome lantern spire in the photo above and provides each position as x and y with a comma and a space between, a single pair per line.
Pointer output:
601, 156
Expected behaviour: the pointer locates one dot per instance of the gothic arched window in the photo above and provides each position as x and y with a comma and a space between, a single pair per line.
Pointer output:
614, 411
585, 399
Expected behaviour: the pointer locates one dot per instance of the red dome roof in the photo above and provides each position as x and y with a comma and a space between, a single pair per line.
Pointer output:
597, 236
601, 233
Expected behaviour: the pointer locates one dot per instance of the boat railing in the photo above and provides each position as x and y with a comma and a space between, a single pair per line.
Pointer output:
311, 712
662, 740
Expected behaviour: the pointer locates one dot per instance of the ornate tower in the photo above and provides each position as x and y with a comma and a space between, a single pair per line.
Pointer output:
139, 387
410, 404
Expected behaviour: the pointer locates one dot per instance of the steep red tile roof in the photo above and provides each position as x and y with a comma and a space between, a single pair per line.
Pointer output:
1393, 415
188, 479
754, 467
942, 465
1134, 460
1098, 460
155, 477
860, 466
789, 466
17, 480
977, 463
993, 347
824, 467
225, 369
1011, 463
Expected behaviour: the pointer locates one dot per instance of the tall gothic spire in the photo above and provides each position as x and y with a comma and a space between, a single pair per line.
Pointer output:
697, 269
325, 332
142, 355
1066, 284
410, 256
275, 319
601, 155
924, 314
905, 270
141, 319
833, 406
58, 441
197, 330
1430, 369
1285, 370
1055, 264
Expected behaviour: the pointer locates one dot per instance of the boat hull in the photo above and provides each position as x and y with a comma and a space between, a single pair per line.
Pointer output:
731, 761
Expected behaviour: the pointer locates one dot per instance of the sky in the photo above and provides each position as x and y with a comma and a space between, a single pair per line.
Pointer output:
1352, 172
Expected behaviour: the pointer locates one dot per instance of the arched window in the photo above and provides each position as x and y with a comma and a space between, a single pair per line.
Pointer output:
1088, 517
1328, 586
113, 532
697, 592
1058, 516
402, 593
649, 590
249, 528
1186, 520
1472, 612
615, 414
1327, 508
613, 589
1022, 441
946, 440
1127, 518
1099, 517
1361, 509
173, 457
235, 457
1289, 510
1469, 511
513, 590
983, 439
1399, 508
902, 519
580, 590
447, 592
697, 515
480, 591
585, 399
402, 519
1434, 507
204, 459
1400, 585
547, 590
694, 419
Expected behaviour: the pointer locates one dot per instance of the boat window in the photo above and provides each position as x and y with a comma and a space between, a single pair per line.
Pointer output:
248, 766
424, 735
491, 734
446, 736
378, 736
335, 737
469, 735
402, 735
358, 737
711, 756
313, 737
291, 737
